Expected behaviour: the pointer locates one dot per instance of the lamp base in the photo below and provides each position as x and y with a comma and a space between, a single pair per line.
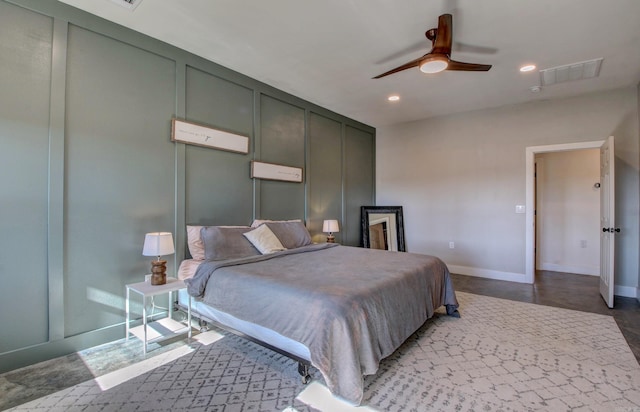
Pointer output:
158, 272
331, 239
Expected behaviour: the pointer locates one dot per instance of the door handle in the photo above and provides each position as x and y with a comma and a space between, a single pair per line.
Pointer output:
611, 229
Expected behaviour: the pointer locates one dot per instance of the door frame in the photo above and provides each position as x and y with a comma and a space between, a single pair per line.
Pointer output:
530, 231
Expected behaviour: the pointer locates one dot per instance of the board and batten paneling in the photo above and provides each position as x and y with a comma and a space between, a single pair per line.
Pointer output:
119, 172
324, 178
217, 184
282, 141
25, 82
359, 155
89, 168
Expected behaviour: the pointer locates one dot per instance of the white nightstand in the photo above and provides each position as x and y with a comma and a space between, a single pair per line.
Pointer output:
164, 328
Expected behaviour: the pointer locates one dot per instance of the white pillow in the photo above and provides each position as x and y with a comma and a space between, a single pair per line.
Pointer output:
264, 240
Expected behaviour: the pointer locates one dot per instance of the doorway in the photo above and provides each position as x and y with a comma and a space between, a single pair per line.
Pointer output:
567, 211
530, 155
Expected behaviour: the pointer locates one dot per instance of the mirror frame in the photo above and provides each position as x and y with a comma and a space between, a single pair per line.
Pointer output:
364, 218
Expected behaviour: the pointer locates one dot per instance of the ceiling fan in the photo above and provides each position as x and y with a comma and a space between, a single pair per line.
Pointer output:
438, 59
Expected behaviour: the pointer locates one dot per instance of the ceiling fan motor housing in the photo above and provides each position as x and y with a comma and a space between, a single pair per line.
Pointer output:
434, 64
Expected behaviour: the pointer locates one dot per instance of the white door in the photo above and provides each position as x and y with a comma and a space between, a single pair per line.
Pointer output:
607, 220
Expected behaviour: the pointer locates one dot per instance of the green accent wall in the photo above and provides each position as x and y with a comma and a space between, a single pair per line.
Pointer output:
324, 169
25, 82
281, 142
119, 171
359, 166
88, 167
218, 188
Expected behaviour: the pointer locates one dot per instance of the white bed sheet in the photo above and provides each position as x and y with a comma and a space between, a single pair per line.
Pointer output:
187, 269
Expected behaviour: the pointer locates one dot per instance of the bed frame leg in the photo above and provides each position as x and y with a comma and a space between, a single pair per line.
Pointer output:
204, 326
452, 311
303, 370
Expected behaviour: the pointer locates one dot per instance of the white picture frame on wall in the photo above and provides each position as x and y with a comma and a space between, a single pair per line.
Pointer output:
199, 135
271, 171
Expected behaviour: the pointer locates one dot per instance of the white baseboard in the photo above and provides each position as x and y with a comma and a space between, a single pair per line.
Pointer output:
627, 291
488, 273
578, 270
624, 291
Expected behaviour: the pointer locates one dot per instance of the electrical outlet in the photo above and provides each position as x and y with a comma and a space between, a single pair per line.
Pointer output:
452, 245
583, 244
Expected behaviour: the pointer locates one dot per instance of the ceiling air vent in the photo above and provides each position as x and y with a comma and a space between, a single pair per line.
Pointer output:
128, 4
569, 72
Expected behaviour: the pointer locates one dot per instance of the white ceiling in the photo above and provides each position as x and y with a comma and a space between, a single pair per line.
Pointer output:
327, 51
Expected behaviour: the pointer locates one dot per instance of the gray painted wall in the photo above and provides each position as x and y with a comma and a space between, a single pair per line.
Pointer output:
88, 168
460, 177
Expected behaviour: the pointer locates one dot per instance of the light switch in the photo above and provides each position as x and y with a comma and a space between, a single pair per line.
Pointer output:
520, 209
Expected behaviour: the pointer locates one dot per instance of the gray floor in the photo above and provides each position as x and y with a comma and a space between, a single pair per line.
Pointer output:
567, 291
44, 378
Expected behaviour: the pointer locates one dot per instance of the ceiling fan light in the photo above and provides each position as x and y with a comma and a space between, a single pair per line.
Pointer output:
434, 64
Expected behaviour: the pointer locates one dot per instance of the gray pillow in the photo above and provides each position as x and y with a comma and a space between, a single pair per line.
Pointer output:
222, 243
290, 234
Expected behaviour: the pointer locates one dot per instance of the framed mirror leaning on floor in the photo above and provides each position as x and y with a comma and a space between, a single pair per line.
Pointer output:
382, 228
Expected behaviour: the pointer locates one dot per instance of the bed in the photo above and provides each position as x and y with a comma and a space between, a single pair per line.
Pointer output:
340, 309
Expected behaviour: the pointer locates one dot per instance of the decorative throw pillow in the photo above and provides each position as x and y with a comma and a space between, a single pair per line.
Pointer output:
194, 240
264, 240
291, 234
222, 243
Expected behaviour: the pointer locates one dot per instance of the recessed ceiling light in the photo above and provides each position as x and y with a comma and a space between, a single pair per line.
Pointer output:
393, 98
528, 68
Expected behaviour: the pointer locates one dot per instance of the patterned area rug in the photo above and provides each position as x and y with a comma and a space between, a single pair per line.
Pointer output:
500, 356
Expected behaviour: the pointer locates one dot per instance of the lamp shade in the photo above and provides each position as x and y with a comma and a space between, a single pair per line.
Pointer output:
158, 244
330, 226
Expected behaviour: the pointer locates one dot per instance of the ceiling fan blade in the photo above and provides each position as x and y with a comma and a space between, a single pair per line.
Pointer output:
411, 50
472, 48
442, 44
468, 67
413, 63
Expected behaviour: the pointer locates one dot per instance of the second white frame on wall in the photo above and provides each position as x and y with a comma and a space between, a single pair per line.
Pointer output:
271, 171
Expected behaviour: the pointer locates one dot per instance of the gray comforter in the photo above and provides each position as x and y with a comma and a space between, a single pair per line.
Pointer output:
351, 307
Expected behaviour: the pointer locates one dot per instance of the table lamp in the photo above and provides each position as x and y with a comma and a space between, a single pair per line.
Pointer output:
158, 244
330, 227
